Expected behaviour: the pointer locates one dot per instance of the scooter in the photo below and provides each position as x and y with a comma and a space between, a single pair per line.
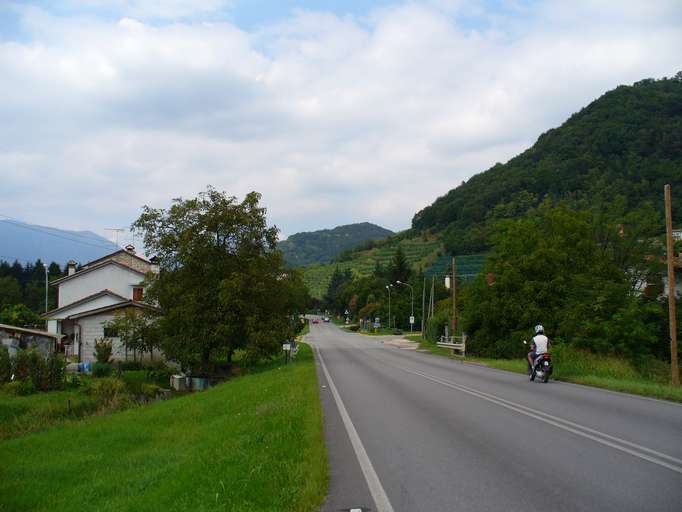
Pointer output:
542, 369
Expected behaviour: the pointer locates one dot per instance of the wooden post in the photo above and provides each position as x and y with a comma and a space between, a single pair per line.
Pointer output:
674, 369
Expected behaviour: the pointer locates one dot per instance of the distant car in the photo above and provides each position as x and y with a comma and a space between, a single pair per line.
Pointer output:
326, 319
316, 321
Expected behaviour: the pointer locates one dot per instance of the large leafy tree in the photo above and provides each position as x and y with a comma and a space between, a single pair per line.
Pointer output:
557, 266
222, 284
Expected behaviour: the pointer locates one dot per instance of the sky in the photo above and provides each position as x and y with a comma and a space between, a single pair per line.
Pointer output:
335, 111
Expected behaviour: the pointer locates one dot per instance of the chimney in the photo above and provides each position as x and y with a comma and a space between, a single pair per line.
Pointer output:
130, 249
154, 260
71, 268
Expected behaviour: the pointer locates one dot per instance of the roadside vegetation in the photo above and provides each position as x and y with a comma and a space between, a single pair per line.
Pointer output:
252, 443
581, 367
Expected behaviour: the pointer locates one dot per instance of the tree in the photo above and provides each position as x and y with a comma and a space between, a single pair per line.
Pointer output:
10, 291
399, 269
19, 315
136, 328
222, 284
550, 268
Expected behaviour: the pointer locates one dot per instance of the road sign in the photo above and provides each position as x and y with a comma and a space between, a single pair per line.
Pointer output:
411, 319
286, 347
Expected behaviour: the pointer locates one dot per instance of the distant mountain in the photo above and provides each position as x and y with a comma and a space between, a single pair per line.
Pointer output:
28, 242
627, 143
326, 244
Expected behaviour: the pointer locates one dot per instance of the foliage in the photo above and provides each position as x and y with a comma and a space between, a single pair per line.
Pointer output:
102, 369
136, 328
222, 285
103, 350
399, 269
38, 370
56, 371
20, 387
108, 390
626, 144
19, 316
5, 365
21, 367
325, 245
435, 326
552, 267
217, 437
26, 285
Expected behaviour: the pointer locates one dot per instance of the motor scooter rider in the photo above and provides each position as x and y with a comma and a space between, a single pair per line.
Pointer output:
539, 345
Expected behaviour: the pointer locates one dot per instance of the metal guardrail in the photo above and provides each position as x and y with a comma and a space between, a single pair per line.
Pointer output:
454, 343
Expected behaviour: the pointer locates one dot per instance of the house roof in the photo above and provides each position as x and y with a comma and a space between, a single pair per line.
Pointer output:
84, 300
36, 332
112, 307
104, 258
91, 269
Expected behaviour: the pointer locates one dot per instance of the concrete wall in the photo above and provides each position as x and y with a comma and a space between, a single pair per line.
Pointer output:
112, 277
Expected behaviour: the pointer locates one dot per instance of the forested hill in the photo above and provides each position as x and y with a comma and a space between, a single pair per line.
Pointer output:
324, 245
626, 143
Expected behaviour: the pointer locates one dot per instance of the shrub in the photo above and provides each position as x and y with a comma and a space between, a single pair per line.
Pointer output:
20, 387
126, 366
435, 326
102, 369
103, 350
354, 328
5, 365
56, 370
38, 370
149, 391
21, 367
161, 376
108, 390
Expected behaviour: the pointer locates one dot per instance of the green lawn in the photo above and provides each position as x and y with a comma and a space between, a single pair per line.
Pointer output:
253, 443
578, 367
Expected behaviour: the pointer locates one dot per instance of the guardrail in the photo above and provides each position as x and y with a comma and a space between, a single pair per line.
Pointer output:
454, 343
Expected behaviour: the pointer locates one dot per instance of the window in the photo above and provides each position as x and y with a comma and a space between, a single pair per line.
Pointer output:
137, 293
110, 332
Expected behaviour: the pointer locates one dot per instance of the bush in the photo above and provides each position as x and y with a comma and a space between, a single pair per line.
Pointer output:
5, 365
102, 369
21, 367
126, 366
103, 350
20, 387
354, 328
108, 390
161, 376
435, 326
38, 370
56, 371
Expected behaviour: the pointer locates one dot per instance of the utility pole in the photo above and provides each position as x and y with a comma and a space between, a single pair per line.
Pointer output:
454, 297
423, 304
674, 369
388, 287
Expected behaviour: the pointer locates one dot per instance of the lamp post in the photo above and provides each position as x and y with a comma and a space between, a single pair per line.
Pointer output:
388, 287
411, 301
46, 281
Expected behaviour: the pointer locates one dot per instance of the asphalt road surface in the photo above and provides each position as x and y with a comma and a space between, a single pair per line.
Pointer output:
409, 431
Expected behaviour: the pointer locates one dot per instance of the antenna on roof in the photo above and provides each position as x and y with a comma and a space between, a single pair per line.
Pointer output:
115, 232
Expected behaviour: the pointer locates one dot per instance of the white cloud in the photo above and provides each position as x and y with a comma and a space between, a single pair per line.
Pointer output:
334, 119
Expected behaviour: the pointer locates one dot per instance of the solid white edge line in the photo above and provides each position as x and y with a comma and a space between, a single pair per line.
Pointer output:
379, 496
518, 409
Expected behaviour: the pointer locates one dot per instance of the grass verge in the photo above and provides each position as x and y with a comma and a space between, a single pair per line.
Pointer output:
254, 443
580, 367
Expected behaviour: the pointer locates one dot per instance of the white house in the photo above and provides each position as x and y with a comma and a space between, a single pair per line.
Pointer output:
89, 297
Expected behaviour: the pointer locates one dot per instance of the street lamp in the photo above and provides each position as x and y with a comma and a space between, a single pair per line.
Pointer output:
46, 280
412, 302
388, 287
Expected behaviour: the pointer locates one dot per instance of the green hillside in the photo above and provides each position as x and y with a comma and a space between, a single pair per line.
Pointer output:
325, 245
421, 253
627, 143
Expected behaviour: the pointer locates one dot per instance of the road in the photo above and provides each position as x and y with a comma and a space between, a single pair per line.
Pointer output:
409, 431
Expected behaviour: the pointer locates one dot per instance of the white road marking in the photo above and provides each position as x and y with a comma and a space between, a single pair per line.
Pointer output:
589, 433
375, 488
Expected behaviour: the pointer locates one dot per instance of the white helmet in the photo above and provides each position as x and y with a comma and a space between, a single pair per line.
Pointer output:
539, 329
